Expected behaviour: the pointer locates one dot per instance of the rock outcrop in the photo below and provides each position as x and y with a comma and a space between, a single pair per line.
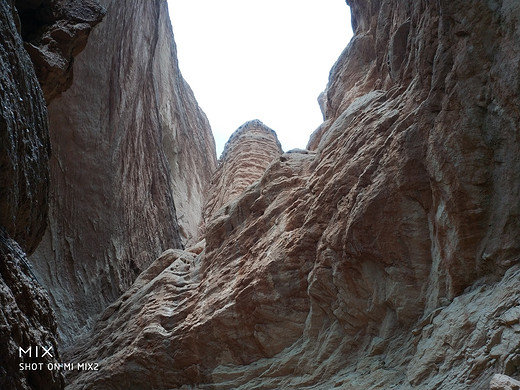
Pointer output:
386, 258
503, 382
246, 156
132, 154
54, 33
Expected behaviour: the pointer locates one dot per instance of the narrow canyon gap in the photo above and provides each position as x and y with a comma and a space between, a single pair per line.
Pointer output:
385, 255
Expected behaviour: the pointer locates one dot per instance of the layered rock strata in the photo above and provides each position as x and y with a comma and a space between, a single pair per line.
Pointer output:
386, 258
132, 154
246, 155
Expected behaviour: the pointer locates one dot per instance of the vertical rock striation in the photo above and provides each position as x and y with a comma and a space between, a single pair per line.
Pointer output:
385, 258
24, 141
130, 149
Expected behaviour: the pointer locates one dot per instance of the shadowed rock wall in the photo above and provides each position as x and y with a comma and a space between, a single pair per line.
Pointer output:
54, 32
130, 149
26, 318
24, 141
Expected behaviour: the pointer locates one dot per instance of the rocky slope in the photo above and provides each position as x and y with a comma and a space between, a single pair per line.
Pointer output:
132, 153
26, 318
386, 258
246, 156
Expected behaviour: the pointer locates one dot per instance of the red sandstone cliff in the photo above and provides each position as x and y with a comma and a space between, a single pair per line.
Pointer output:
386, 258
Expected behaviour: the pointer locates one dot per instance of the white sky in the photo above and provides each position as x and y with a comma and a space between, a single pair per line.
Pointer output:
260, 59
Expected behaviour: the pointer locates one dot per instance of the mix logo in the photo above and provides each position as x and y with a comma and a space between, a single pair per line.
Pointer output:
37, 352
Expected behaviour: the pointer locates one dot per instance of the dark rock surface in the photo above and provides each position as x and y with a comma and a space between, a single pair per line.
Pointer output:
26, 321
26, 317
132, 154
56, 31
24, 140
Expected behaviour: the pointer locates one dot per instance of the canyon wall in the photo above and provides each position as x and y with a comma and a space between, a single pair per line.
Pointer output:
132, 154
385, 257
27, 320
25, 315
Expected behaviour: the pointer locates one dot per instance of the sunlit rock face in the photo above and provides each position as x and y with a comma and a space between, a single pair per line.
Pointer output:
503, 382
132, 153
384, 257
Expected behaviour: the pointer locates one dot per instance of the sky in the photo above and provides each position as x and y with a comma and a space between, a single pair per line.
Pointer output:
260, 59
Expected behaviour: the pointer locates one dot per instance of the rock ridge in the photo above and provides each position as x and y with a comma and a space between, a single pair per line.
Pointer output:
246, 156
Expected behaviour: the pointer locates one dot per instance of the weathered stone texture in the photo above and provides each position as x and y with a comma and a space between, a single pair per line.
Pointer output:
55, 31
245, 158
26, 321
26, 318
24, 140
387, 257
129, 145
503, 382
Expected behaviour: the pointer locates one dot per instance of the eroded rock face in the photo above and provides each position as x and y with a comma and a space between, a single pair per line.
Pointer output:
26, 318
54, 33
26, 321
24, 141
503, 382
385, 258
245, 158
129, 144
